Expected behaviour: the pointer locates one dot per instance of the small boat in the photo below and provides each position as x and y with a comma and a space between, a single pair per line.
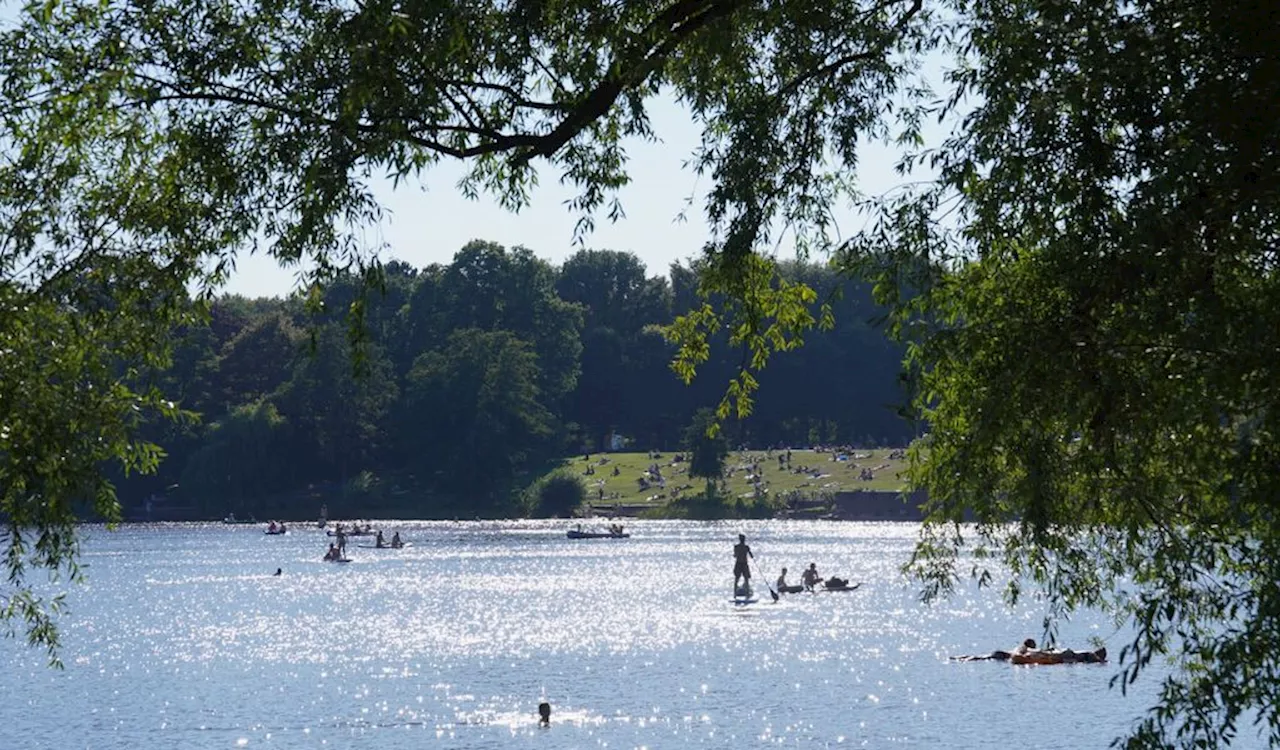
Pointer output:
277, 532
385, 546
1098, 656
846, 587
575, 534
353, 533
796, 589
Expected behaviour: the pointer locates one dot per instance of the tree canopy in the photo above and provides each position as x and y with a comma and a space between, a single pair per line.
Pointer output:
478, 352
1085, 271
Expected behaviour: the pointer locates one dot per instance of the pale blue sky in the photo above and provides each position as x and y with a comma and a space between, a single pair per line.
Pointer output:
425, 227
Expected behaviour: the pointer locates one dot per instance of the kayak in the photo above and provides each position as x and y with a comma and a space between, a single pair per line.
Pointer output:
353, 533
385, 546
1065, 656
790, 589
853, 587
1060, 657
276, 533
576, 534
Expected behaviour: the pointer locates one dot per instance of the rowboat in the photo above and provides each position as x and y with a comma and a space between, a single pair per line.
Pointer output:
575, 534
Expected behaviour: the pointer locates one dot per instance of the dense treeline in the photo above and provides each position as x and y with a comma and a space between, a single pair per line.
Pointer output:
466, 379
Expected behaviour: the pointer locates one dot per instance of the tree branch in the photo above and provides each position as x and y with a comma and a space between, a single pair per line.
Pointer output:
680, 21
499, 141
831, 67
515, 97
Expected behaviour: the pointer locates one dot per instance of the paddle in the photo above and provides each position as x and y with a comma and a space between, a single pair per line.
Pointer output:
772, 593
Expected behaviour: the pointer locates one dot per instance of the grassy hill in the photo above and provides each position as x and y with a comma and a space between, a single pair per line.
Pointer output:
614, 478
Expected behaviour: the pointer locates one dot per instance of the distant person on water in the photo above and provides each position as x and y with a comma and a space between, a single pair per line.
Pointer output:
395, 540
333, 552
810, 577
379, 543
786, 588
741, 569
1028, 653
278, 571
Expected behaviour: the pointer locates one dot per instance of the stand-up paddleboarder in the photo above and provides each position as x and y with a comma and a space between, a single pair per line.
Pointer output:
741, 552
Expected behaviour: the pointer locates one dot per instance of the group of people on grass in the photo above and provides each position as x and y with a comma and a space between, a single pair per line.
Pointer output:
810, 579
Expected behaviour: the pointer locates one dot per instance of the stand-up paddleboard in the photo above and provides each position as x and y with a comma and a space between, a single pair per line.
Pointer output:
740, 601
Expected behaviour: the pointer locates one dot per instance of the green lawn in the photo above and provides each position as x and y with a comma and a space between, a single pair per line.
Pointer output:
832, 476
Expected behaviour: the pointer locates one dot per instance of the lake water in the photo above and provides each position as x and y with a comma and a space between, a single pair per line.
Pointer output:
183, 638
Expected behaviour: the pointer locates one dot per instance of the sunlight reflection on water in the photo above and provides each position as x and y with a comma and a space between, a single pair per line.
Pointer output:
183, 638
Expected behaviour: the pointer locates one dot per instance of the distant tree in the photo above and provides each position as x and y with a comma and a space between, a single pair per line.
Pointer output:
614, 289
243, 456
339, 406
707, 448
474, 412
556, 495
493, 288
259, 359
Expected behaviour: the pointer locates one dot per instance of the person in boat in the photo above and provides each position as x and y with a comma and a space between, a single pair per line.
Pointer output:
271, 527
379, 543
810, 577
395, 541
279, 571
1028, 653
786, 588
333, 553
836, 583
741, 568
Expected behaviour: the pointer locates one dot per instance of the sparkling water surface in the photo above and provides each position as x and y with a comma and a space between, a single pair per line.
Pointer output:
183, 638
